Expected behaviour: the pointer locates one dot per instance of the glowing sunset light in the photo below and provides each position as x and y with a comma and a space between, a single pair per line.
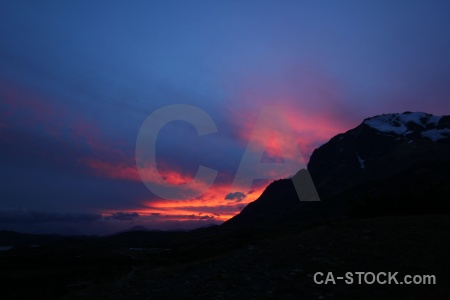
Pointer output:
78, 81
123, 171
309, 130
212, 202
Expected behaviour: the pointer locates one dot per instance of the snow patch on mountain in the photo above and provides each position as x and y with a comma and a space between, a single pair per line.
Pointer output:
361, 161
387, 123
398, 124
419, 118
436, 134
434, 119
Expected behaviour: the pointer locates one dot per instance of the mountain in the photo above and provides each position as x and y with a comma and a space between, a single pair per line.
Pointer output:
390, 164
136, 228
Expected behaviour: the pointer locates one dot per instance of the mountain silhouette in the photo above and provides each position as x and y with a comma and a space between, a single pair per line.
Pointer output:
391, 164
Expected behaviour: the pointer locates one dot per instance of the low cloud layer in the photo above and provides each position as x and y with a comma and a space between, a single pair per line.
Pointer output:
237, 196
123, 216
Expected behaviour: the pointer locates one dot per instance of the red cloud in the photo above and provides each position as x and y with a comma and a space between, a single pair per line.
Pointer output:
314, 108
123, 171
211, 203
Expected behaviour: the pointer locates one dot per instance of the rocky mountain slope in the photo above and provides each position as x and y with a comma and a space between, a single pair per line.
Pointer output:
388, 165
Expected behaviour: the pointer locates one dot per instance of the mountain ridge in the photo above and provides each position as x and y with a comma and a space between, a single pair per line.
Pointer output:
402, 157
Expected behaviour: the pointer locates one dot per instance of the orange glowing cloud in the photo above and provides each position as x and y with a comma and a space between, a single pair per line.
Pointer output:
211, 204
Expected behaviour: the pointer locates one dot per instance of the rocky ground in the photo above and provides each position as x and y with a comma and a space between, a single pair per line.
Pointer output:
283, 267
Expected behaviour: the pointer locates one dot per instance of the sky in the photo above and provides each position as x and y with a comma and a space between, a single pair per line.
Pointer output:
79, 79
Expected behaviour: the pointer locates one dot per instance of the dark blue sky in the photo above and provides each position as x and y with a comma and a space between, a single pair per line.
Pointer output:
78, 78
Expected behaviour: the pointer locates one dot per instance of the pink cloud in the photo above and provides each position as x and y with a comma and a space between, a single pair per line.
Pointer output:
314, 107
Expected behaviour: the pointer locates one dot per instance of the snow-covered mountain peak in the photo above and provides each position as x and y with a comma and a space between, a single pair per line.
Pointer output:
409, 122
397, 123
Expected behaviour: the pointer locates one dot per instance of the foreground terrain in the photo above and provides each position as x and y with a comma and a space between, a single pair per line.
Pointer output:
215, 264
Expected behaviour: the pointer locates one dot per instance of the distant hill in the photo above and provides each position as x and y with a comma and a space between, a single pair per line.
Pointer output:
11, 238
392, 164
136, 228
